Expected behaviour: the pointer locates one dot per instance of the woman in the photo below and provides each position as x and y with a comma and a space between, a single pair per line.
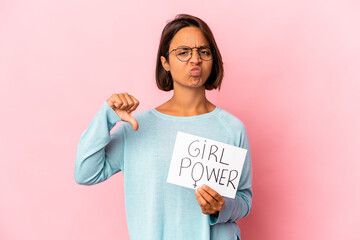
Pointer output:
188, 63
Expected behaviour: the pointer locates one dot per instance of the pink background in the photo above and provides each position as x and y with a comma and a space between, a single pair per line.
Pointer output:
292, 71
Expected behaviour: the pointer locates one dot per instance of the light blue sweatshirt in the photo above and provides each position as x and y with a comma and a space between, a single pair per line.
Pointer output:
155, 209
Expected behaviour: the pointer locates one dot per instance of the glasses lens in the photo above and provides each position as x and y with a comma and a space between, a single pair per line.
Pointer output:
205, 53
183, 53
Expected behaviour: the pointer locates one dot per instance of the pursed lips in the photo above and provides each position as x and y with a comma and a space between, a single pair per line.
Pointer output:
195, 71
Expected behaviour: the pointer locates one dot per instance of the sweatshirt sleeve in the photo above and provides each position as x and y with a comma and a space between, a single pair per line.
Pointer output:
240, 206
99, 154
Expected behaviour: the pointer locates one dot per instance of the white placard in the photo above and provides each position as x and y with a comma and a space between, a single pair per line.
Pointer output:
197, 160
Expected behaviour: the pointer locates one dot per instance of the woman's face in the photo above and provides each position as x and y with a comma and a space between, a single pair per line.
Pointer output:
181, 71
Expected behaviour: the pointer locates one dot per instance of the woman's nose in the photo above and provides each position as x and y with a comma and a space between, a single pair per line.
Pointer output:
195, 57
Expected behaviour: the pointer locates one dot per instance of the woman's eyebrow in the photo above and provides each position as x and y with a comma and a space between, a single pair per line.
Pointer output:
204, 45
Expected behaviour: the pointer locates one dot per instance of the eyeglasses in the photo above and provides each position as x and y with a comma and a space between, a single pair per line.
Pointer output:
184, 53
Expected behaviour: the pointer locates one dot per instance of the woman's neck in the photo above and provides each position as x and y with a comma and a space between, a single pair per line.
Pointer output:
187, 102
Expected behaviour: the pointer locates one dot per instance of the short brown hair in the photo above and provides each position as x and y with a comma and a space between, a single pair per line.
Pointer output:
164, 80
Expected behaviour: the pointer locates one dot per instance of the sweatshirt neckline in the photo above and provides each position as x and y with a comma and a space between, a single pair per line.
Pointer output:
196, 117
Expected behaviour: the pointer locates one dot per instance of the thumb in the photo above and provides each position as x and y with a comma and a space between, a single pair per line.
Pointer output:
133, 122
127, 117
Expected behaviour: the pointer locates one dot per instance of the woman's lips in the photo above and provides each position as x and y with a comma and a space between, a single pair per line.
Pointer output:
195, 71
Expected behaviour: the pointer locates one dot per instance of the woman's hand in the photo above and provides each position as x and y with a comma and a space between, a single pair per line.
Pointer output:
123, 104
210, 201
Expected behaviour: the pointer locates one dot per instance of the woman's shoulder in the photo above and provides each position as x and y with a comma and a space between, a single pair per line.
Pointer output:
230, 119
146, 113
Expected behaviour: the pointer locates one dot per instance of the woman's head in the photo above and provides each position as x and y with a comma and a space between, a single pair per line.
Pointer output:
192, 32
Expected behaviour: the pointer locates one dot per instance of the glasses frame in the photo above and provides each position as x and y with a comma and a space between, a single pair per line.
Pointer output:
198, 48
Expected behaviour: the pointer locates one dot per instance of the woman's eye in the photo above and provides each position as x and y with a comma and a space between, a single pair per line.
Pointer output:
183, 52
205, 51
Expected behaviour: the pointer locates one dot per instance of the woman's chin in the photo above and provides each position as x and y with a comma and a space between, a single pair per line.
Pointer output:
196, 81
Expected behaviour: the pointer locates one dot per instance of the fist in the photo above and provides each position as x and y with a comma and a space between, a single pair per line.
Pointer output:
123, 104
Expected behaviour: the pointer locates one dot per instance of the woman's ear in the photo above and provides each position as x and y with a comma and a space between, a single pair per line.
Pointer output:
165, 64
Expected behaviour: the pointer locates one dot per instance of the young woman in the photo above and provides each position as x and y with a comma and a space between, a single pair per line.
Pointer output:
188, 62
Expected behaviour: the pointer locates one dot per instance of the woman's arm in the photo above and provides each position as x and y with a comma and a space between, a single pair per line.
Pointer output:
99, 154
